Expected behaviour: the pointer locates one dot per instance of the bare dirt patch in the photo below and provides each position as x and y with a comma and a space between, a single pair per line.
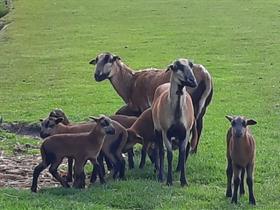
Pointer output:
22, 128
16, 172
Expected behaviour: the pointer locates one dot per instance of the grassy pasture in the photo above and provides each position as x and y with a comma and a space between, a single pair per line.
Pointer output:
3, 9
44, 55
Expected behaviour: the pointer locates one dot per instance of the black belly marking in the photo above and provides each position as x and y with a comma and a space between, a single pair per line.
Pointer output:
177, 131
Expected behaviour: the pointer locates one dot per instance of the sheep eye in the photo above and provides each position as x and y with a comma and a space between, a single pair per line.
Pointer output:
243, 124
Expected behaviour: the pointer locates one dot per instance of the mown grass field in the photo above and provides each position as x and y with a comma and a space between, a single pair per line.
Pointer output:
3, 9
44, 55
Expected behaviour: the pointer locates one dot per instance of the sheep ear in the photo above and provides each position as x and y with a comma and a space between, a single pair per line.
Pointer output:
94, 118
93, 62
116, 57
41, 120
170, 67
229, 117
191, 64
251, 122
58, 120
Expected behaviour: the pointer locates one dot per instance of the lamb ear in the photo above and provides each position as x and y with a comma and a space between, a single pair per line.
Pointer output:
229, 117
93, 62
41, 120
58, 120
95, 118
170, 67
251, 122
191, 64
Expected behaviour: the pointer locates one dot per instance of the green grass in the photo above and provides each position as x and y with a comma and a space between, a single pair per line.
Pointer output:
3, 9
44, 56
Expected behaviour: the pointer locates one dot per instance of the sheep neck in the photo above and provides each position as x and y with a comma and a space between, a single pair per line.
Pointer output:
97, 137
122, 81
241, 145
176, 99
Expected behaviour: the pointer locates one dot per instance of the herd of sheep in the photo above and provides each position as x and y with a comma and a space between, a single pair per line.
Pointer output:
163, 111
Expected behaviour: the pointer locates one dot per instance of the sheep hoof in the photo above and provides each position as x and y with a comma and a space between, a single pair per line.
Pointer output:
160, 178
252, 201
234, 200
102, 181
184, 183
228, 193
33, 189
169, 183
141, 166
93, 179
66, 185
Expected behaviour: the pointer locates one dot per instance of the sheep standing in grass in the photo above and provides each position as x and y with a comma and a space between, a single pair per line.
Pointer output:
142, 132
241, 153
137, 88
81, 147
173, 117
111, 149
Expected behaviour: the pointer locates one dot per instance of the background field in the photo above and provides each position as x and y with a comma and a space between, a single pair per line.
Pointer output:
44, 55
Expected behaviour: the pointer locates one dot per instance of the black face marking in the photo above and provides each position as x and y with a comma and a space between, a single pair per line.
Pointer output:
238, 124
107, 59
178, 66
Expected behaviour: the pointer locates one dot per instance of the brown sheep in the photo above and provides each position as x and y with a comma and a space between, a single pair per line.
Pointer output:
111, 149
142, 132
81, 147
173, 117
122, 119
241, 154
137, 88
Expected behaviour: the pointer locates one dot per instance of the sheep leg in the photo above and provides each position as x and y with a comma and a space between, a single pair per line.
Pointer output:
161, 155
70, 169
169, 173
53, 171
179, 165
100, 159
156, 158
229, 173
108, 163
130, 155
199, 126
184, 154
113, 160
143, 156
241, 189
151, 154
178, 168
249, 180
121, 163
236, 181
97, 170
79, 174
38, 169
